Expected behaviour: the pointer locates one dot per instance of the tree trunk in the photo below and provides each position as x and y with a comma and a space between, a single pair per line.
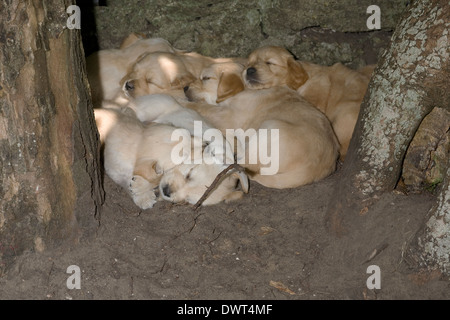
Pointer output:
51, 182
411, 78
425, 164
431, 247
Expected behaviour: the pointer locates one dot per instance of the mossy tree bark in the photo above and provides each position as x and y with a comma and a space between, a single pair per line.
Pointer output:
410, 80
431, 248
49, 156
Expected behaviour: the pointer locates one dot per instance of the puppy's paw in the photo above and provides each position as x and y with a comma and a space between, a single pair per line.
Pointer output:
142, 192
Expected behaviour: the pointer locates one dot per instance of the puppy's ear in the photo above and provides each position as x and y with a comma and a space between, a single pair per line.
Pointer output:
297, 75
131, 39
243, 179
230, 84
147, 169
157, 168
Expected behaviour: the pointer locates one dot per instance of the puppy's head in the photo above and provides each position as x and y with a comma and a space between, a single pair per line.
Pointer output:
188, 183
217, 83
156, 72
272, 66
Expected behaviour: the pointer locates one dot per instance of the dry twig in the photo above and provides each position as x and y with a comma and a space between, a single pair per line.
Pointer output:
216, 181
376, 252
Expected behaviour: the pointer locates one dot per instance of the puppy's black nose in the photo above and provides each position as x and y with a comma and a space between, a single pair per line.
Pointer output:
251, 71
129, 85
186, 88
166, 190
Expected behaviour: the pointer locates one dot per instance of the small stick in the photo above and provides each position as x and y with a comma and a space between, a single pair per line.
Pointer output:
376, 252
215, 182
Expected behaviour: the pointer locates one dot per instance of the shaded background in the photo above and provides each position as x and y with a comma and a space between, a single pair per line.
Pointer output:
321, 31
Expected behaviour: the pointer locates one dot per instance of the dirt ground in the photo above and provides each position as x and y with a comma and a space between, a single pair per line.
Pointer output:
271, 245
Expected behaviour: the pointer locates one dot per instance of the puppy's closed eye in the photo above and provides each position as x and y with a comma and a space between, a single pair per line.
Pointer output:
188, 177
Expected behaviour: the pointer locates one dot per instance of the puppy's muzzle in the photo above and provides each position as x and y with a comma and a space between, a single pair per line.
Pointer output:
250, 74
166, 191
251, 71
188, 93
129, 85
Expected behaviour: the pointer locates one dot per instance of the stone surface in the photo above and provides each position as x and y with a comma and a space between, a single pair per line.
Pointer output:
322, 31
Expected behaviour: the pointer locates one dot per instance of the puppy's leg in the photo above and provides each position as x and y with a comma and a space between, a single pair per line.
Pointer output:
142, 192
154, 106
187, 119
145, 179
217, 146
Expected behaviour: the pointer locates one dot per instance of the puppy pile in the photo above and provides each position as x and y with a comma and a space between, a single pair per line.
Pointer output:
284, 121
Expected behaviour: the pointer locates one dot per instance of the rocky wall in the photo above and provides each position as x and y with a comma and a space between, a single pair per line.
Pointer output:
322, 31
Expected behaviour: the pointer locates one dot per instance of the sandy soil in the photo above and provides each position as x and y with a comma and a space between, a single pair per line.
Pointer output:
272, 244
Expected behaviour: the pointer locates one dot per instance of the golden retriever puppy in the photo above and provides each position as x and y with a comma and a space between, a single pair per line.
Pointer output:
165, 109
188, 182
336, 90
105, 68
196, 62
216, 83
128, 160
166, 72
156, 72
139, 157
302, 144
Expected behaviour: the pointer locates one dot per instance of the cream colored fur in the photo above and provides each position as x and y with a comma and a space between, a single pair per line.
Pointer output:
335, 90
308, 147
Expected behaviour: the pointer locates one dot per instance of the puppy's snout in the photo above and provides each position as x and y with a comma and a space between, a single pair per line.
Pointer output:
129, 85
251, 71
186, 89
166, 191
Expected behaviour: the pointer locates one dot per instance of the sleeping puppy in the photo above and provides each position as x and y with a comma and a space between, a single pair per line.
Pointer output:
337, 90
105, 68
165, 109
166, 72
156, 72
195, 62
139, 158
216, 83
307, 147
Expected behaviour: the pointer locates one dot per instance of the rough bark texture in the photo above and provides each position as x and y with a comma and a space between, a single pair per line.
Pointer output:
51, 186
425, 164
432, 246
402, 92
